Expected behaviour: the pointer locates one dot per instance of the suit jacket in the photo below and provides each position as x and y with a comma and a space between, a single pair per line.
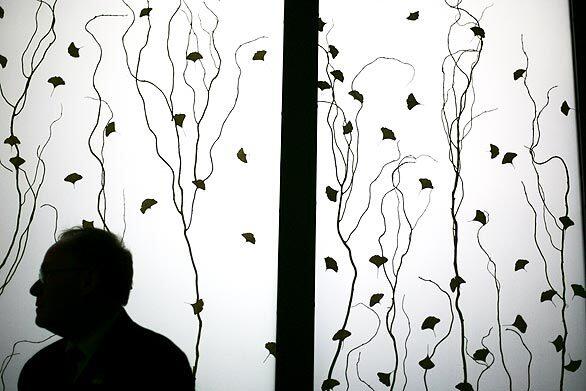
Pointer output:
129, 357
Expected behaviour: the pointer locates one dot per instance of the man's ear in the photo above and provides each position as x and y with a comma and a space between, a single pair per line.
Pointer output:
90, 280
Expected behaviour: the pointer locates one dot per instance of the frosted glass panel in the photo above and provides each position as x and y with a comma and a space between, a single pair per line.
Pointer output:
151, 119
449, 248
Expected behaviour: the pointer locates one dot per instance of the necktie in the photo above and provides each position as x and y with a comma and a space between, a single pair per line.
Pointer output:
72, 358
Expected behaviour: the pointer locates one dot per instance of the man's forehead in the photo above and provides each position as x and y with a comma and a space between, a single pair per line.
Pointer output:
59, 255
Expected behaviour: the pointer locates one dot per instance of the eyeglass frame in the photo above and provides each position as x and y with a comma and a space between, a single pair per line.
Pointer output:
42, 277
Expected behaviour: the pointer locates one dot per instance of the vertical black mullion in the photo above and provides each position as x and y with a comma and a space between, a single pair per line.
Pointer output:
577, 26
295, 293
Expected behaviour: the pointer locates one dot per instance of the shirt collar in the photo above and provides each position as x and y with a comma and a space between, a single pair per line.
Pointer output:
89, 343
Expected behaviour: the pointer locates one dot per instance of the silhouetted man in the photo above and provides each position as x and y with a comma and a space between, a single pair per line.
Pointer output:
84, 282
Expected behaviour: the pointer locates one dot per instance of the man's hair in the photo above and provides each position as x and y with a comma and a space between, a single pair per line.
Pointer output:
103, 251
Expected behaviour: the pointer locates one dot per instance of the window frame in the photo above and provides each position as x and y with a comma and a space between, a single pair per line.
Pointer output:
296, 269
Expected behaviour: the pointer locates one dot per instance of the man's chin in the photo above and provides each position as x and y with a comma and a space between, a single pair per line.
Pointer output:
39, 320
43, 323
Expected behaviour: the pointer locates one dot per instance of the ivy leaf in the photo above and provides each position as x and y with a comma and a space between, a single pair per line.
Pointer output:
56, 81
338, 75
16, 161
73, 50
197, 306
494, 151
520, 264
384, 378
341, 335
480, 355
547, 295
241, 155
464, 387
249, 237
145, 12
146, 204
72, 178
347, 128
518, 74
411, 101
333, 51
320, 27
259, 55
378, 260
194, 56
413, 16
573, 365
565, 108
323, 85
558, 343
520, 324
110, 128
480, 217
579, 290
375, 299
566, 222
3, 61
425, 183
272, 348
331, 264
332, 194
478, 31
179, 118
200, 184
508, 158
388, 134
329, 384
429, 323
356, 95
87, 224
12, 141
456, 282
426, 363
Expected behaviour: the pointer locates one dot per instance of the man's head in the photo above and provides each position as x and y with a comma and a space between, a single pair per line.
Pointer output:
86, 275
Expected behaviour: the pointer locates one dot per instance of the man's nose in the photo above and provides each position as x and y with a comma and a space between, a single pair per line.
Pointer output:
36, 288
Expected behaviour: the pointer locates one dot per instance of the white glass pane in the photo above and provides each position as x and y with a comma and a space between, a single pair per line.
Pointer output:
452, 113
230, 121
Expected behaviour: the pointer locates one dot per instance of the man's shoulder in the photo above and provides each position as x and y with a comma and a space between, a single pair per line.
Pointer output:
139, 350
144, 347
141, 338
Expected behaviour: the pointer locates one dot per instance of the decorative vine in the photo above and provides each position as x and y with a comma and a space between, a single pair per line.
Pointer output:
202, 67
457, 116
545, 217
6, 361
28, 181
344, 131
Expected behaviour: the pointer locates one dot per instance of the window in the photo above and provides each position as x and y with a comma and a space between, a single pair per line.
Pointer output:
118, 106
153, 119
448, 253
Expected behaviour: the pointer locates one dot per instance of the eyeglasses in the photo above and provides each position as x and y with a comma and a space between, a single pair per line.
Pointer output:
43, 273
